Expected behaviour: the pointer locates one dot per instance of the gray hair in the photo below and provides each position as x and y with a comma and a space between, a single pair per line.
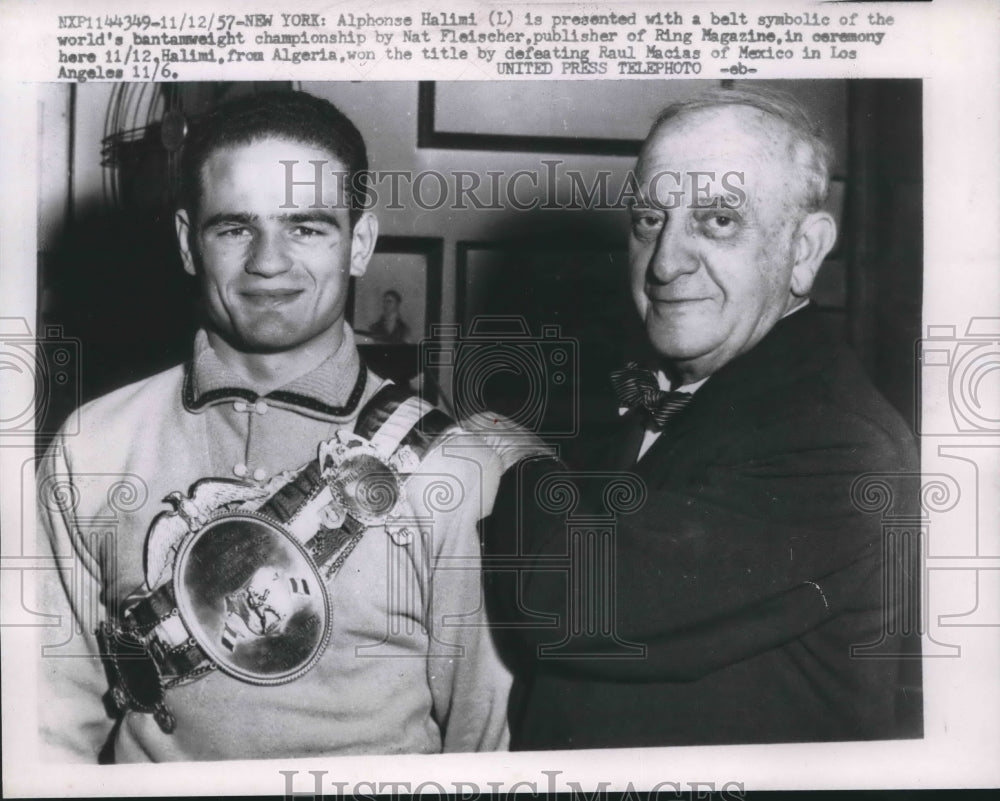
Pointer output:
809, 151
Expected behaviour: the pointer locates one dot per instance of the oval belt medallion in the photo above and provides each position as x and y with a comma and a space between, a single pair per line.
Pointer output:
252, 598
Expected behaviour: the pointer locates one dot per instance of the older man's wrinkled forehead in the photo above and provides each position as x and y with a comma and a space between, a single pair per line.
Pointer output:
730, 145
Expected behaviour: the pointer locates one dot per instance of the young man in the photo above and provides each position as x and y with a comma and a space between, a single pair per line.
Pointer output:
394, 654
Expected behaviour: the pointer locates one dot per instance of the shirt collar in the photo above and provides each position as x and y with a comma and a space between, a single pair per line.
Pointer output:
801, 305
331, 391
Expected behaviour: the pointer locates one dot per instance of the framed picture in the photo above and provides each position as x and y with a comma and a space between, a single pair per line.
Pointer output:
394, 304
543, 323
536, 279
458, 116
610, 119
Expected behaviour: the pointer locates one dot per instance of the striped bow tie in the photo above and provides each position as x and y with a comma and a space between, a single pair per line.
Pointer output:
636, 388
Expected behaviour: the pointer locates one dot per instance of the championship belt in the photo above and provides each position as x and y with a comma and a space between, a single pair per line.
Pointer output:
238, 572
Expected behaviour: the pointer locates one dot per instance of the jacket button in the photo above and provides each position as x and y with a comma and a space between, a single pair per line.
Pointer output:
240, 470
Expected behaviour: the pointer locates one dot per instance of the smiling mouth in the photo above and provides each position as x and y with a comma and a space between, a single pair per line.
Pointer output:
272, 297
676, 301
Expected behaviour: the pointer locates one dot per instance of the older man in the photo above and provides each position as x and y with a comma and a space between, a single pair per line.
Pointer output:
286, 598
726, 607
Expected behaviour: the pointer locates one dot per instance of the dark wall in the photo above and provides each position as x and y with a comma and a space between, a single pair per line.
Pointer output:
884, 220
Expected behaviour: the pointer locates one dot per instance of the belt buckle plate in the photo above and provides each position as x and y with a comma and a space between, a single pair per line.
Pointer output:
252, 599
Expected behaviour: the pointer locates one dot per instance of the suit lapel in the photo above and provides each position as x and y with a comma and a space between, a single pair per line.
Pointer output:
620, 449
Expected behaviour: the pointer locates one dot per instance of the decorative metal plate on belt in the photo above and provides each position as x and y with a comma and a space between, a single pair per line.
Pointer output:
253, 599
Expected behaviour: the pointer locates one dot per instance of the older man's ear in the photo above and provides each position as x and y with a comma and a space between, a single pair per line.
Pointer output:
814, 239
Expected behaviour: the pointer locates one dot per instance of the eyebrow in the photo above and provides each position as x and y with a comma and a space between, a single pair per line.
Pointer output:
244, 218
719, 201
312, 216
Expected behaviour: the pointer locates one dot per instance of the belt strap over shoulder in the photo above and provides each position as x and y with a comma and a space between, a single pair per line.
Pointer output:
396, 414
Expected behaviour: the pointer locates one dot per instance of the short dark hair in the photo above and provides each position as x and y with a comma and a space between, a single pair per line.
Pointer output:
392, 293
297, 116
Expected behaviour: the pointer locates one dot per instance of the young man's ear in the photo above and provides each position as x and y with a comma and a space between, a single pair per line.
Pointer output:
182, 225
363, 239
814, 240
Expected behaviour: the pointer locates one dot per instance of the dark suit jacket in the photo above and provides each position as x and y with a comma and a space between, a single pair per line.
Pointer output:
744, 579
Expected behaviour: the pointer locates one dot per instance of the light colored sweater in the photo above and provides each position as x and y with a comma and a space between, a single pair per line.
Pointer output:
410, 667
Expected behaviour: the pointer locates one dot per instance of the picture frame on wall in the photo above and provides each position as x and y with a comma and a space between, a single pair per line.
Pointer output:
527, 309
452, 115
395, 305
